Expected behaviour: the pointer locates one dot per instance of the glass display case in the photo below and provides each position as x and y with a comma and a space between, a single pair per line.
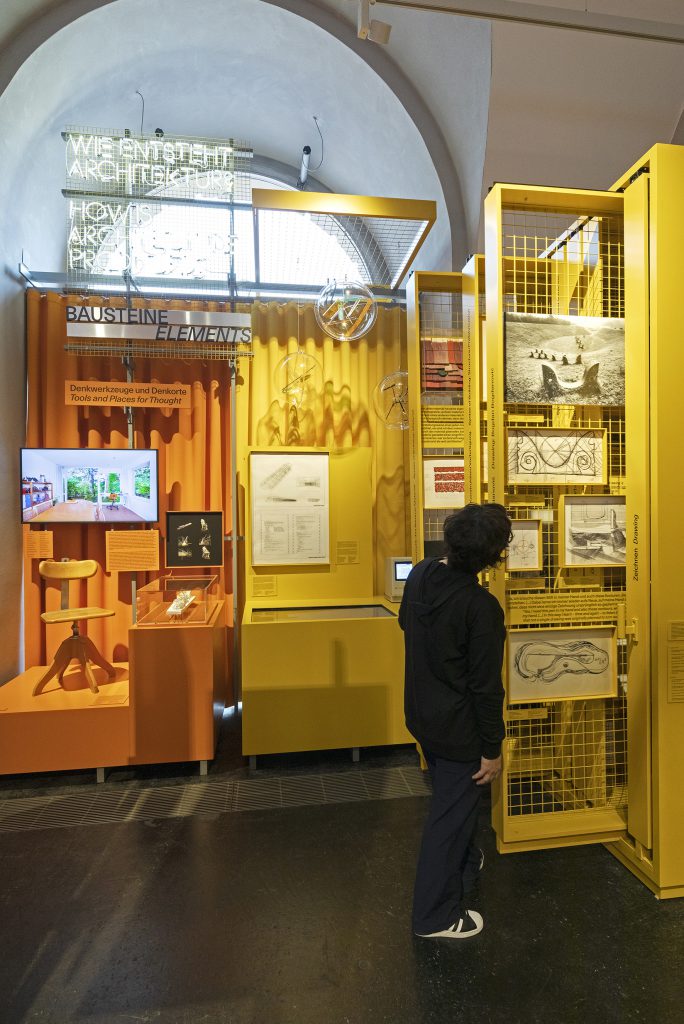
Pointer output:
177, 600
364, 611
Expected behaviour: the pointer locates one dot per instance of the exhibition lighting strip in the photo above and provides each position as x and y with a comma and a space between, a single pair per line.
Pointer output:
242, 291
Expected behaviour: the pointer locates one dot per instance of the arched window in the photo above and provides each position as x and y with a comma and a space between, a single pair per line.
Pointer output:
207, 242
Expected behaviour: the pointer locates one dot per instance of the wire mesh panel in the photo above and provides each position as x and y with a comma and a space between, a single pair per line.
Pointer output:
563, 304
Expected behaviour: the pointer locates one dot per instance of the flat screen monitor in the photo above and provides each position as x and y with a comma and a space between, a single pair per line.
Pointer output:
91, 485
401, 570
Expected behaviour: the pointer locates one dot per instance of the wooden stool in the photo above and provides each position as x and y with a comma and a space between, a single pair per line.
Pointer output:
75, 646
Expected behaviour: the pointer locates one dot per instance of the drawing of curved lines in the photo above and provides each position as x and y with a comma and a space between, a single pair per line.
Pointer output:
575, 453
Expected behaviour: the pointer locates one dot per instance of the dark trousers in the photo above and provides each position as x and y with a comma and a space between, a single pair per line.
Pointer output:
447, 855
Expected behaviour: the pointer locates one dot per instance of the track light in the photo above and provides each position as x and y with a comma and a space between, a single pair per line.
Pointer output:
304, 169
375, 31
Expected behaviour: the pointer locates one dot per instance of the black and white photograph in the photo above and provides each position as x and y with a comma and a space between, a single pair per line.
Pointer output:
561, 664
593, 529
194, 539
564, 360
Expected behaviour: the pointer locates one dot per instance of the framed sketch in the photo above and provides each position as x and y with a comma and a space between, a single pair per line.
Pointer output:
555, 455
566, 360
524, 553
592, 530
194, 539
561, 664
444, 483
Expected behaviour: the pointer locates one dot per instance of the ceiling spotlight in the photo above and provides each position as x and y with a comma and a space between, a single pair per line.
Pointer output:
375, 31
304, 169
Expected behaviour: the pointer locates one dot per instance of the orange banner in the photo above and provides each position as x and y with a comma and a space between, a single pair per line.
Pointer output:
120, 392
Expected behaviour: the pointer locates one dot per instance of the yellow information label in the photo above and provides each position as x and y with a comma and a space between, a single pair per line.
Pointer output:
552, 609
121, 392
675, 673
39, 544
264, 586
347, 552
443, 426
132, 550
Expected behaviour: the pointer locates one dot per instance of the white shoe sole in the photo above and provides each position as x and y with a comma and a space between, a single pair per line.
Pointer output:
454, 933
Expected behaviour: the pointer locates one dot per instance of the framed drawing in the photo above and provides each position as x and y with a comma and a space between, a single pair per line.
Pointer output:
561, 664
566, 360
443, 483
525, 550
592, 529
554, 455
194, 539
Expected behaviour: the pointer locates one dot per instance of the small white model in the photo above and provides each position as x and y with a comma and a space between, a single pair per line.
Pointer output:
183, 600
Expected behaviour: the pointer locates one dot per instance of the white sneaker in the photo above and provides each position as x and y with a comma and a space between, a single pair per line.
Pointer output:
465, 928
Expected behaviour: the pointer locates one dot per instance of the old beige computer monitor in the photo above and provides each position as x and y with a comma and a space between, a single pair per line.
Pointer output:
397, 568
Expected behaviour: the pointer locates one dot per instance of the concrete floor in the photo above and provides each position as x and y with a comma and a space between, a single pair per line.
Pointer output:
291, 916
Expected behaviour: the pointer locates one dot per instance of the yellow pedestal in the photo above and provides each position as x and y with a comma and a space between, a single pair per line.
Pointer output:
320, 684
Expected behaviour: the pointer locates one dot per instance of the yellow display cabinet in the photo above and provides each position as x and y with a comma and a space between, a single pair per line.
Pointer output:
554, 370
474, 374
321, 654
434, 311
653, 845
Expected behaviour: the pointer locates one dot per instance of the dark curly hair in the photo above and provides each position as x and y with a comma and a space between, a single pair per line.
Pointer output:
476, 536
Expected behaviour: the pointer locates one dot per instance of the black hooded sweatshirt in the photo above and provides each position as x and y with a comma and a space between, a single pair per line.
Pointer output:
454, 638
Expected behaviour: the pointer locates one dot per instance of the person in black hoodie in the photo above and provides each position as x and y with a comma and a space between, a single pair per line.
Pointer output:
453, 698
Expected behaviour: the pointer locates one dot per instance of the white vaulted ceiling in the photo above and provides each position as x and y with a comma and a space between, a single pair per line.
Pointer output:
450, 105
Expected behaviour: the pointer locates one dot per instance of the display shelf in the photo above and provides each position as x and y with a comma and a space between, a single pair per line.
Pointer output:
36, 496
555, 428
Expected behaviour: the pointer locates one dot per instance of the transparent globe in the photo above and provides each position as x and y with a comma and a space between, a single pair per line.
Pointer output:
299, 378
345, 311
390, 400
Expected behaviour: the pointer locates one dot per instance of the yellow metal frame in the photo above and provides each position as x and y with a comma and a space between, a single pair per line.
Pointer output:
422, 211
572, 826
654, 266
473, 283
420, 282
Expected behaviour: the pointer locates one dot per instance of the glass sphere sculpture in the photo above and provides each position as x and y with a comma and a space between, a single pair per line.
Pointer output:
390, 400
299, 378
345, 311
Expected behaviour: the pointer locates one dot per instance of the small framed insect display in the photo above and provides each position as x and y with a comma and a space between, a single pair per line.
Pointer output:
194, 539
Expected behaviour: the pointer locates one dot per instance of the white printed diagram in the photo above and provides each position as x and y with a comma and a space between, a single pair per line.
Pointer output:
559, 664
290, 508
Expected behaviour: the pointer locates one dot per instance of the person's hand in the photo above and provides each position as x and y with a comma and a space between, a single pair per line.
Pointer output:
489, 770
